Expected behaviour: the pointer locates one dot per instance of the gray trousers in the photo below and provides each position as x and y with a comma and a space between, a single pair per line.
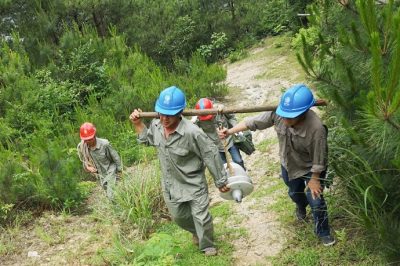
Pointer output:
193, 216
108, 184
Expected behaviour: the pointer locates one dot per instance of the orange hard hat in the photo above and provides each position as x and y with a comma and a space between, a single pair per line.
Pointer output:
202, 104
87, 131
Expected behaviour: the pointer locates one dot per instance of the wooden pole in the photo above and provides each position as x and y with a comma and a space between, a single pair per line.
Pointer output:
227, 110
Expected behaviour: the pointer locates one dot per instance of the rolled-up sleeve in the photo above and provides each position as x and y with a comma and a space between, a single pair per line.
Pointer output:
262, 121
319, 151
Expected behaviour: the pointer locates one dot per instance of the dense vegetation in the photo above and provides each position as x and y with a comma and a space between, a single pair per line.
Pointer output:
352, 51
65, 62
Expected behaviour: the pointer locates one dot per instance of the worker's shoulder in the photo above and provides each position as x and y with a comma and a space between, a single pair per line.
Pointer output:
190, 128
102, 141
314, 122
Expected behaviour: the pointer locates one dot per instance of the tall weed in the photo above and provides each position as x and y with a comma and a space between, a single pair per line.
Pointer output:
138, 198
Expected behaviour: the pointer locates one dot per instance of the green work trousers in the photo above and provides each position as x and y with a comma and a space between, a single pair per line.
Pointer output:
193, 216
108, 184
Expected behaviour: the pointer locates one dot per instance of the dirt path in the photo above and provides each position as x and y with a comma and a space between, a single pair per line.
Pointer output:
251, 84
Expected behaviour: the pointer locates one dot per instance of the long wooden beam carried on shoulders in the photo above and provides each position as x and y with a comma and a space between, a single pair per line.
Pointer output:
226, 110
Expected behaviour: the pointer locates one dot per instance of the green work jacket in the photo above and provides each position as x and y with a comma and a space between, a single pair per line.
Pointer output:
106, 159
210, 128
183, 157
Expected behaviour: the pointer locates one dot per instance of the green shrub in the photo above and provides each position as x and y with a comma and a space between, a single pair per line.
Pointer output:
216, 49
159, 250
237, 55
311, 37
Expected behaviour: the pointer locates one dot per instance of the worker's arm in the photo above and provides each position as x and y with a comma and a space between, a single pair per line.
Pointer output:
136, 121
315, 185
114, 156
223, 133
318, 151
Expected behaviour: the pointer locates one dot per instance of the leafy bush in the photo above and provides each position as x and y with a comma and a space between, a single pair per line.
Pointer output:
311, 37
237, 55
216, 49
4, 211
159, 250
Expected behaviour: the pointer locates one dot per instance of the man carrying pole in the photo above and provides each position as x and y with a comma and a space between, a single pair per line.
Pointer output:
303, 153
183, 151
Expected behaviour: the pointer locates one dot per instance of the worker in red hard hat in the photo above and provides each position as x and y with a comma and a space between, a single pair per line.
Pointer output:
210, 123
99, 158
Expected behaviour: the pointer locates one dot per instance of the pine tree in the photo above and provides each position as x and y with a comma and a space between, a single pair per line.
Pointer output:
356, 65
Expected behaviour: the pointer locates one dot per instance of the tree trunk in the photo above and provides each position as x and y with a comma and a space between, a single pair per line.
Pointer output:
99, 23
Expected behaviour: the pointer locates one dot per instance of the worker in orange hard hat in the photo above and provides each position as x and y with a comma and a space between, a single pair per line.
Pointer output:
99, 158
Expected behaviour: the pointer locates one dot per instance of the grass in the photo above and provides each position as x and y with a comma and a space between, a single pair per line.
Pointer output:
170, 245
263, 192
305, 249
278, 47
265, 145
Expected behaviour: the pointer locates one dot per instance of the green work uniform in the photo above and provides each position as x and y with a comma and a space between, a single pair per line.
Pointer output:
107, 162
183, 157
210, 128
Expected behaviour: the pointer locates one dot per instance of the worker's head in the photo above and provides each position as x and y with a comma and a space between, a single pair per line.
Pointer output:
202, 104
170, 104
171, 101
295, 102
87, 132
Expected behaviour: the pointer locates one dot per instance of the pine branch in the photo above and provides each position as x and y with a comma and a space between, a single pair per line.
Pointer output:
346, 5
393, 123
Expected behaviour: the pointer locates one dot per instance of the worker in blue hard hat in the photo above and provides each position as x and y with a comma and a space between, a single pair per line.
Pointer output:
184, 150
303, 151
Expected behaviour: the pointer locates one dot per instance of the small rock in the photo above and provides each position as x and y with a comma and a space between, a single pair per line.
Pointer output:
33, 254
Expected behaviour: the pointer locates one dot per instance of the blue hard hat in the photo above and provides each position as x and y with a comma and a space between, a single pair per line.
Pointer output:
171, 101
295, 101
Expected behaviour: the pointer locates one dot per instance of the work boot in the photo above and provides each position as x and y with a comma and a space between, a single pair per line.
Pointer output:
211, 251
327, 240
195, 240
301, 213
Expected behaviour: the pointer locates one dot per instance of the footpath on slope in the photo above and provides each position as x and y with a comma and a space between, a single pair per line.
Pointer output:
250, 85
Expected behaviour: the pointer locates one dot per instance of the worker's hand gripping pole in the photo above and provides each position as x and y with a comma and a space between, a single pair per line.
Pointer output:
228, 163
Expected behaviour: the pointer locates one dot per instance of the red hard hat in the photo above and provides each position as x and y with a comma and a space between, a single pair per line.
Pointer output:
202, 104
87, 131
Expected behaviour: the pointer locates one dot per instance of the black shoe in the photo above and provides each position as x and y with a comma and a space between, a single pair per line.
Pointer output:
301, 213
327, 240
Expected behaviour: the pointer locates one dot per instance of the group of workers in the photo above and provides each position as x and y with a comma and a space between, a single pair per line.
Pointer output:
185, 148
